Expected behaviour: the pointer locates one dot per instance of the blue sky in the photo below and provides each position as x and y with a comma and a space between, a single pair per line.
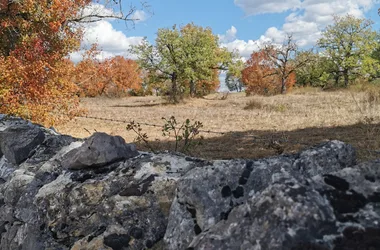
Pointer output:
241, 25
219, 15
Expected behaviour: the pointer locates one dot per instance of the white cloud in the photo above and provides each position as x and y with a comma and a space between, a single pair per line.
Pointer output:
230, 41
245, 48
76, 56
229, 36
254, 7
107, 37
275, 34
111, 42
307, 18
139, 16
305, 33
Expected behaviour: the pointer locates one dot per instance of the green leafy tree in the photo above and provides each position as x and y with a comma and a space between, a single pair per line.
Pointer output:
203, 59
317, 71
184, 56
349, 43
376, 55
233, 78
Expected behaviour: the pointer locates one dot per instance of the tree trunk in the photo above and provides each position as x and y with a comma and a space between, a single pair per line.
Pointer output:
192, 88
283, 86
240, 86
337, 79
345, 75
174, 88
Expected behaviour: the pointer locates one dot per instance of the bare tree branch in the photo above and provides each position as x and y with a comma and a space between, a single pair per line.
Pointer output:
282, 58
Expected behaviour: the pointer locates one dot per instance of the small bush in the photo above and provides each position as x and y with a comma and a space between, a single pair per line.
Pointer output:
183, 133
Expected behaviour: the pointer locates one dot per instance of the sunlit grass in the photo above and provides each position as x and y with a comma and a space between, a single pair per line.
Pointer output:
305, 116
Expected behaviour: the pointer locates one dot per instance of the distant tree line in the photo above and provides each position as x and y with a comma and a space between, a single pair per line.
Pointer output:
348, 50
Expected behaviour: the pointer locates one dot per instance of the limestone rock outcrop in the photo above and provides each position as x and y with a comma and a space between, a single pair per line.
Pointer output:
59, 192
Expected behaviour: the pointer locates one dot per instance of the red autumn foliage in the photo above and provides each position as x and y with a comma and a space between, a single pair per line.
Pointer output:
261, 76
34, 72
112, 77
125, 75
36, 38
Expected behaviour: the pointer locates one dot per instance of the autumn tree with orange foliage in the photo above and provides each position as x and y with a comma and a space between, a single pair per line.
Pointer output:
272, 69
89, 74
262, 77
111, 77
258, 75
36, 38
125, 76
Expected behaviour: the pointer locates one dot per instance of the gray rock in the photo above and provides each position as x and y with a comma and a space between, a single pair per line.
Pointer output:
116, 198
324, 158
207, 195
18, 142
282, 216
6, 169
99, 150
91, 208
46, 151
9, 121
339, 210
124, 202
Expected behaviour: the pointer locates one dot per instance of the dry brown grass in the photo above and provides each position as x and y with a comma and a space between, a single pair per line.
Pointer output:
293, 121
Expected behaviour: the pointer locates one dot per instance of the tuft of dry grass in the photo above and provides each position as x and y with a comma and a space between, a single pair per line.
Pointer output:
253, 104
250, 124
307, 90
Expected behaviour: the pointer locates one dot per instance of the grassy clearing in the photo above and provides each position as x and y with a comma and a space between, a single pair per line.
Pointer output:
255, 126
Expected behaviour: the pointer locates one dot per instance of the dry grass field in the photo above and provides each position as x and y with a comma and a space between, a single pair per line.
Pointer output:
253, 126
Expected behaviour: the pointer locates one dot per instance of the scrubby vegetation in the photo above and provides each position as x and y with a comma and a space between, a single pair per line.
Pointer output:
346, 53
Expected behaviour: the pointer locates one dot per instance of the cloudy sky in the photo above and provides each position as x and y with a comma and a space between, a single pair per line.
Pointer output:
240, 24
